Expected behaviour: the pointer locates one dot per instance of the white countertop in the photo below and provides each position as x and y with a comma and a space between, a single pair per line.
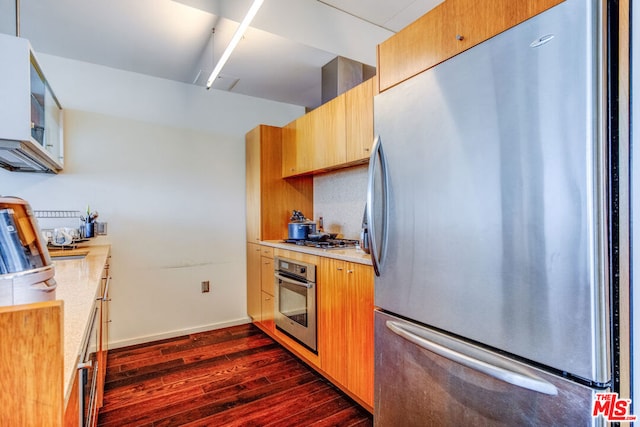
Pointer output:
79, 283
348, 254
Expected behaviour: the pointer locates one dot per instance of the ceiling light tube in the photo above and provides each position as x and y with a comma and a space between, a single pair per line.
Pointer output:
253, 10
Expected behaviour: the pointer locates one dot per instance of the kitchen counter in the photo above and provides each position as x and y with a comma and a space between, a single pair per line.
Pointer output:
348, 254
79, 284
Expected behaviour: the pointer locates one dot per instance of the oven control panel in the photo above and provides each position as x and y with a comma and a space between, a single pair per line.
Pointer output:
298, 269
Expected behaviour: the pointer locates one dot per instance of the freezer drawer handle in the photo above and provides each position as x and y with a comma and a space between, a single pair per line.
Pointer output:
478, 359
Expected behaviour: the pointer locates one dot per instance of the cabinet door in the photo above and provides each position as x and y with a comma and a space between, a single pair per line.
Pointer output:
360, 325
267, 251
476, 21
419, 46
297, 155
254, 304
333, 306
72, 410
104, 331
289, 149
448, 29
328, 134
346, 325
359, 122
270, 198
252, 159
267, 312
267, 279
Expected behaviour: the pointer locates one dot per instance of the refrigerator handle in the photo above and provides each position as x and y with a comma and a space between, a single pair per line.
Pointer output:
473, 357
378, 250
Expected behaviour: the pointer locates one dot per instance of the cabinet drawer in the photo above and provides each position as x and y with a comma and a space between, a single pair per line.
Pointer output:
266, 251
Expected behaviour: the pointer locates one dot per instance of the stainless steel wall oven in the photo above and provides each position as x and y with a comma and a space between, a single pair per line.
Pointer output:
295, 300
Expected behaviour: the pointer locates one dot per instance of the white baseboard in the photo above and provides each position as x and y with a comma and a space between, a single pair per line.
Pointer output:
177, 333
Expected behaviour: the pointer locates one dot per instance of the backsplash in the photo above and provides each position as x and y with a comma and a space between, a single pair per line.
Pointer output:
339, 198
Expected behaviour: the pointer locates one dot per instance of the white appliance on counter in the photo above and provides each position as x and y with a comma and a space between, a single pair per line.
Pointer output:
489, 212
26, 271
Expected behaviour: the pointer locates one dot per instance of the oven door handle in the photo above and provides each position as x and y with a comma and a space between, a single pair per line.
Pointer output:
293, 281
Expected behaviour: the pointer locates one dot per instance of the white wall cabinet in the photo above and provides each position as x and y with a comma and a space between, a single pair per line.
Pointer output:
31, 125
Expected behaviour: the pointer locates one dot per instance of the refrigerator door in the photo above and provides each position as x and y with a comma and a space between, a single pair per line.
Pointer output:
426, 378
496, 228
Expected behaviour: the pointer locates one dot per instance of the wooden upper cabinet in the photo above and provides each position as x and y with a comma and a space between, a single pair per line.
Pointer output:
448, 29
328, 137
297, 152
420, 45
289, 149
359, 122
337, 134
270, 198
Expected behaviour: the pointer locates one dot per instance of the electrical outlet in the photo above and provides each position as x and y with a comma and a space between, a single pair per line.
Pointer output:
205, 286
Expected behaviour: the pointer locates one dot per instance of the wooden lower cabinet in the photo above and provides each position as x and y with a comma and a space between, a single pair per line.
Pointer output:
105, 321
254, 304
31, 372
345, 325
260, 284
267, 288
72, 411
267, 305
345, 318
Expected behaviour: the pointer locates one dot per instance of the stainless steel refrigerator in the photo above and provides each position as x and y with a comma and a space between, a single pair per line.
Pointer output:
488, 220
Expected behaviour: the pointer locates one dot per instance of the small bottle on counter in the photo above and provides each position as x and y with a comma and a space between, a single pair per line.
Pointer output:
320, 225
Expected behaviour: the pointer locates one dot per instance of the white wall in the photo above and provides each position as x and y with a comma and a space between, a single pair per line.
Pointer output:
163, 163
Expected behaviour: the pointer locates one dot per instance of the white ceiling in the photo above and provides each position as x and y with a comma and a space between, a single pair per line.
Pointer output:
280, 57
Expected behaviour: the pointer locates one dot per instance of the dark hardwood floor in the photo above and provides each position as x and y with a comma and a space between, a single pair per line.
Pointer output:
235, 376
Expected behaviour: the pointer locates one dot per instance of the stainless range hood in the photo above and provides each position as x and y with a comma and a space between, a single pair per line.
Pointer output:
341, 74
22, 156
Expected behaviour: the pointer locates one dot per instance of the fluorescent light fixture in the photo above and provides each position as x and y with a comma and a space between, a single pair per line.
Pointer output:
234, 41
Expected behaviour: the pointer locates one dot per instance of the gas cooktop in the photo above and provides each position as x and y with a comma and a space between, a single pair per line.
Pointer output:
326, 244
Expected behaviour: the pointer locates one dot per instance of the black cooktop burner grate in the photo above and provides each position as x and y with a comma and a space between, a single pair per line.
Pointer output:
326, 244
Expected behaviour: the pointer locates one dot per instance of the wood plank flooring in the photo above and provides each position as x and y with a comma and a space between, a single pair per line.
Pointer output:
234, 376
